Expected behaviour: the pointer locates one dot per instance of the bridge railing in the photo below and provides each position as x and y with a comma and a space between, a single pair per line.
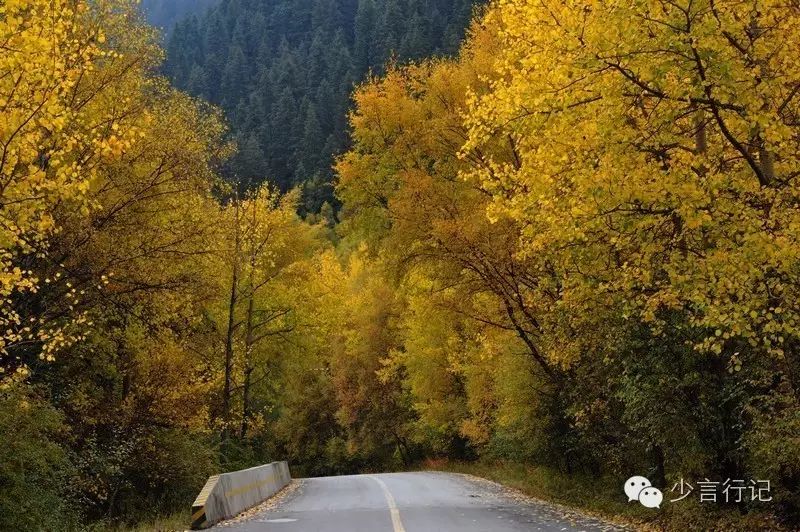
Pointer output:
229, 494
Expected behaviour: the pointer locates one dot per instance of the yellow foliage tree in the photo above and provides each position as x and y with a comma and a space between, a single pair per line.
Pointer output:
58, 83
657, 157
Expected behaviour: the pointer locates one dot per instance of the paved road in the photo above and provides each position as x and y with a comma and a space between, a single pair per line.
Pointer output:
408, 502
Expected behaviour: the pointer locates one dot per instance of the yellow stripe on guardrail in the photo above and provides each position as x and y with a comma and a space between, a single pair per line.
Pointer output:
248, 487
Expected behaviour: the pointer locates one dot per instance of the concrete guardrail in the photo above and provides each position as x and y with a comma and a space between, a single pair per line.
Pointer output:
229, 494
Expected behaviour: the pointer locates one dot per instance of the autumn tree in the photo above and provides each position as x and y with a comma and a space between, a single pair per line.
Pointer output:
51, 143
402, 190
261, 254
677, 193
113, 231
614, 203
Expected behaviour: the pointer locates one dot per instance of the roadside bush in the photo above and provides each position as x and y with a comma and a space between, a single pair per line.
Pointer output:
33, 467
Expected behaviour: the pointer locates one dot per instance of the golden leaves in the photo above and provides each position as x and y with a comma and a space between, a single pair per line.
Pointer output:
658, 156
73, 103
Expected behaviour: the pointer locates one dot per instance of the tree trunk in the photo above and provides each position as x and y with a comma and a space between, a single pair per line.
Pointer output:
248, 366
229, 334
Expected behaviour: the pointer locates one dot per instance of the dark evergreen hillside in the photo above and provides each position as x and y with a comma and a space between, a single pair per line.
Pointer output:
165, 13
283, 71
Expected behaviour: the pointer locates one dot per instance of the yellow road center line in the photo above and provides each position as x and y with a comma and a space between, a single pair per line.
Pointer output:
393, 510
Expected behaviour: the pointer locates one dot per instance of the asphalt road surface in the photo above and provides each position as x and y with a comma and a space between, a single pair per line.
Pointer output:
408, 502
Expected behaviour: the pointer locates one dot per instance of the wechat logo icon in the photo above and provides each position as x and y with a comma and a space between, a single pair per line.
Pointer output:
640, 489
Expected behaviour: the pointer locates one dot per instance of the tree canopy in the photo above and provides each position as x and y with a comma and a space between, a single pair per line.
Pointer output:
572, 245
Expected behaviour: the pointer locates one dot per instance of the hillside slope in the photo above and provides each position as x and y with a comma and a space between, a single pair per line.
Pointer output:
283, 71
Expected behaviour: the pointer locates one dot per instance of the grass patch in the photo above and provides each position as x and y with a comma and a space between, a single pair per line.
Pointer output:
177, 522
